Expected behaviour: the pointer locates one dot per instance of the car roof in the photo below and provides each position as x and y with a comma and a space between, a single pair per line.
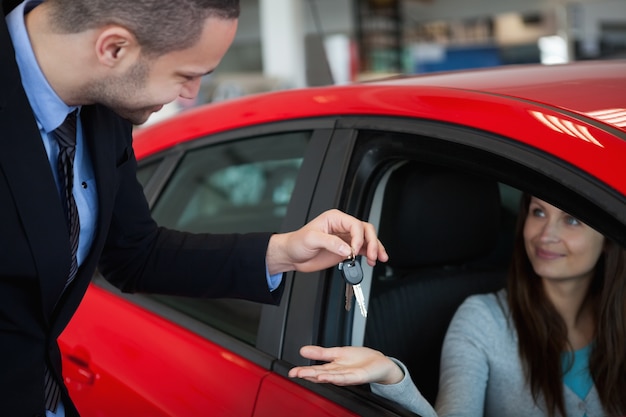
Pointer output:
582, 87
585, 101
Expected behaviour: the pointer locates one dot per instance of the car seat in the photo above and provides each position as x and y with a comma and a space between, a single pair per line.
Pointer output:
441, 228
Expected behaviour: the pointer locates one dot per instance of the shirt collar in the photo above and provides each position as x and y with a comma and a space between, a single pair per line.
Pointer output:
50, 111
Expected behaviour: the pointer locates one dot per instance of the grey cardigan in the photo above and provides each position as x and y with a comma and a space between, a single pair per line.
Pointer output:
481, 374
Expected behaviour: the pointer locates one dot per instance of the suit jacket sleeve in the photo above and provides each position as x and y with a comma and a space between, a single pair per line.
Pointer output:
139, 256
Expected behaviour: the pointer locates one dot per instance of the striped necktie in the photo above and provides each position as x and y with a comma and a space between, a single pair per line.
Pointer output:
66, 137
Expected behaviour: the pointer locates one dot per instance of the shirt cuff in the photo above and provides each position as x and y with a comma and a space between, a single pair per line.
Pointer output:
273, 281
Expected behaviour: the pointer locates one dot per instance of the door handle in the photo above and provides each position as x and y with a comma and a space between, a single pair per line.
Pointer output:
77, 368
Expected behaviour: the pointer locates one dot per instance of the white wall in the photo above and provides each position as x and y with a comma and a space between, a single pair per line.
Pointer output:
589, 15
247, 53
336, 16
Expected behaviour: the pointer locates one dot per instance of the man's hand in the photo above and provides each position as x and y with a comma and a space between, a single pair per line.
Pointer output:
323, 242
347, 365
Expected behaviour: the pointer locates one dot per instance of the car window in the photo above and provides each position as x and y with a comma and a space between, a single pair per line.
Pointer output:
242, 186
449, 234
236, 187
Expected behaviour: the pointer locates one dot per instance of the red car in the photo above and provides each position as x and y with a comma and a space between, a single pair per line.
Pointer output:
436, 162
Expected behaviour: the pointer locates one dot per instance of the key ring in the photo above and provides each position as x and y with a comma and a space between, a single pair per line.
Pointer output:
350, 260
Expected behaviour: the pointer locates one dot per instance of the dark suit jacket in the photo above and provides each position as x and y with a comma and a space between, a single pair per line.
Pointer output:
129, 249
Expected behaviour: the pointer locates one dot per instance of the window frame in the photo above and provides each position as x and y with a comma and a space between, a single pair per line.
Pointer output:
267, 348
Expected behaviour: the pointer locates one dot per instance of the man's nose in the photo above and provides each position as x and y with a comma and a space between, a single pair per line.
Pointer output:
191, 88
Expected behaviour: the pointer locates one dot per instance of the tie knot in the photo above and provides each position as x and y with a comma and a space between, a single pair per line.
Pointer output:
66, 133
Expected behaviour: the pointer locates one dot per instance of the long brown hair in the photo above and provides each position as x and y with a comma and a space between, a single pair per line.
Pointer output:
542, 334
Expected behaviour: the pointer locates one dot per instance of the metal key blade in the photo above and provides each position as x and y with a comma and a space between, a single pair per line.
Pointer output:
360, 299
349, 294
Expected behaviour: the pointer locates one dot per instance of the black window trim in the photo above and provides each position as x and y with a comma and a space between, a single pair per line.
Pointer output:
267, 348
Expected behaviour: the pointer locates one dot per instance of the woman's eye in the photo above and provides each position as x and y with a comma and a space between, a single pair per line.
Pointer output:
537, 212
573, 221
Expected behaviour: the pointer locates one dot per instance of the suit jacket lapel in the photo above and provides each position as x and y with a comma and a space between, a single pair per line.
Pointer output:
24, 161
9, 5
101, 148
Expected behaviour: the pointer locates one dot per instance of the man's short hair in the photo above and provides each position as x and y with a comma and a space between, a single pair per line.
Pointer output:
160, 26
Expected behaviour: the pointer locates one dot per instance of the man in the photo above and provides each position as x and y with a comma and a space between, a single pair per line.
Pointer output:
113, 63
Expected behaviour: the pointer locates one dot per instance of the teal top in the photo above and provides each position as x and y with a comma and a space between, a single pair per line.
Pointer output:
576, 371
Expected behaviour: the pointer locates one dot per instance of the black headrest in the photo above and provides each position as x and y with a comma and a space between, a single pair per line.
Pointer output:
435, 216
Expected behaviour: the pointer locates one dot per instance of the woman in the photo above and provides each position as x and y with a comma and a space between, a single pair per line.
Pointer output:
552, 344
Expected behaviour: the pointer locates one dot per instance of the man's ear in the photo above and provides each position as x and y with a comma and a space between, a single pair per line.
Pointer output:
116, 46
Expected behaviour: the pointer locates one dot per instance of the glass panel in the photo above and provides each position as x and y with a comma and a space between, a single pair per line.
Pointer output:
237, 187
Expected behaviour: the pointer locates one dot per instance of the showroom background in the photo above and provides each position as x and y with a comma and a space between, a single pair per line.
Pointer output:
295, 43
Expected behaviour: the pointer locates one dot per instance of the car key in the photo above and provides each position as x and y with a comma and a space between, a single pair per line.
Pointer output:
349, 295
349, 289
353, 275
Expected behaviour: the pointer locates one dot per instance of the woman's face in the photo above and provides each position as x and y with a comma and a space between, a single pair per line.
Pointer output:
559, 246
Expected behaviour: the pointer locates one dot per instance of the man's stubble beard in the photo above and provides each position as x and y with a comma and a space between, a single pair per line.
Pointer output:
118, 93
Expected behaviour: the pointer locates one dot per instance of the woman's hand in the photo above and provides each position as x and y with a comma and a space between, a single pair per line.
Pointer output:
348, 365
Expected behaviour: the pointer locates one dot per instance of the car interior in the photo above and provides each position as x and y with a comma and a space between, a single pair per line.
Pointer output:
449, 235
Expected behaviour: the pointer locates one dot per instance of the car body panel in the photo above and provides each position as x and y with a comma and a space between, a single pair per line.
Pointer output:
191, 394
145, 348
582, 88
277, 398
573, 135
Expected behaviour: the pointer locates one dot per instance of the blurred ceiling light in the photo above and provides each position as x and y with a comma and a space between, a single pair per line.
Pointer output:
616, 117
553, 50
566, 126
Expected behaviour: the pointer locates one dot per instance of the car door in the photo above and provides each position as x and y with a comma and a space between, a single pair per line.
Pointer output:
156, 355
411, 302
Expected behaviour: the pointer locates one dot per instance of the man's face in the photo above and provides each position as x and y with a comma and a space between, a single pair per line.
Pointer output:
151, 83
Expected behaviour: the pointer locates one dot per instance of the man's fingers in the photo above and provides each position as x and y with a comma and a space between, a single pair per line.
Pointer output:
316, 241
373, 249
328, 239
363, 241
